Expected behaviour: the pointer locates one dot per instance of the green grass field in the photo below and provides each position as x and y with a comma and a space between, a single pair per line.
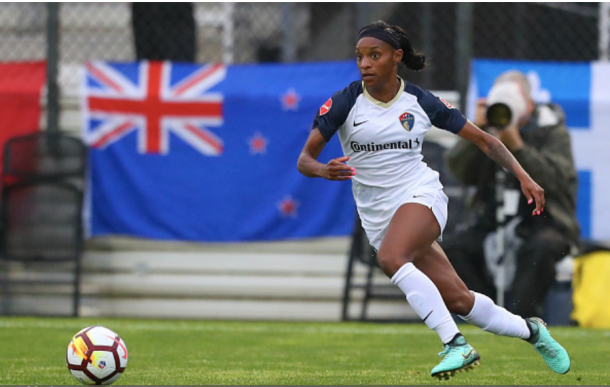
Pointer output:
32, 351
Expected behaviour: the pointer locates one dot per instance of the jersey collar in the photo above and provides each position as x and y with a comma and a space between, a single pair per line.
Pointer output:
385, 105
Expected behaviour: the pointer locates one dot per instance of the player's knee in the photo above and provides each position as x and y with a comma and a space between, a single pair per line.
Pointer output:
460, 303
390, 262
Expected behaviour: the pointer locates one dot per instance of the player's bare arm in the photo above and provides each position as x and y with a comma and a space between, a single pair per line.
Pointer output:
308, 163
498, 152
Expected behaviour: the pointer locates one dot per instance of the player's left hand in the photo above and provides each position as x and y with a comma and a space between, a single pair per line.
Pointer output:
534, 193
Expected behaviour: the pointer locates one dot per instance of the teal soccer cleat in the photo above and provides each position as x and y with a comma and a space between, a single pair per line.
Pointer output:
459, 356
555, 356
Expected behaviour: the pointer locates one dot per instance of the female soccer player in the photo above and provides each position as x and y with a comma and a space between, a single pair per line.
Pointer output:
381, 122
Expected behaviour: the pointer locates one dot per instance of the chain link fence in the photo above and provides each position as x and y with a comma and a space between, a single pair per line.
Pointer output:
524, 31
23, 31
448, 33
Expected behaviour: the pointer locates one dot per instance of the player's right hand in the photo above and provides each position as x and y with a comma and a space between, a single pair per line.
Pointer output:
336, 169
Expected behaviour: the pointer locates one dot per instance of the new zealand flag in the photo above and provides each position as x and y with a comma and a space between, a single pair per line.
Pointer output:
209, 152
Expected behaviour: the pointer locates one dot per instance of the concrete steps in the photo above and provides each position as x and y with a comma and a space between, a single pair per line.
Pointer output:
301, 280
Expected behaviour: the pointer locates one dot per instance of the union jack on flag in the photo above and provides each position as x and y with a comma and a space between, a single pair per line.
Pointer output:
154, 99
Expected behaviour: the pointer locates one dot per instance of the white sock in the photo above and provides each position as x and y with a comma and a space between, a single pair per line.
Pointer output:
490, 317
426, 300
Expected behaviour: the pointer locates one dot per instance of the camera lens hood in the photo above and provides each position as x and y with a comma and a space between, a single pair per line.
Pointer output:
499, 115
506, 104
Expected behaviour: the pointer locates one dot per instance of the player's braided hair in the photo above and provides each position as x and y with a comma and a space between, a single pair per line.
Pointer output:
414, 60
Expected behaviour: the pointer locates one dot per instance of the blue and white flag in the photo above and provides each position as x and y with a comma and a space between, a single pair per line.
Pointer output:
583, 90
209, 152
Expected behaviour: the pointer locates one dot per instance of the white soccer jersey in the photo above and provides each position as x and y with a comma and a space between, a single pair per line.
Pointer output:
384, 140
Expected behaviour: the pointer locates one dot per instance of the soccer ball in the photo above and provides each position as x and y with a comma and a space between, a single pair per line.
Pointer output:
96, 355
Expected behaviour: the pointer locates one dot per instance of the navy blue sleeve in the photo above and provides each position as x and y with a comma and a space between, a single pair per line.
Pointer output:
441, 113
334, 112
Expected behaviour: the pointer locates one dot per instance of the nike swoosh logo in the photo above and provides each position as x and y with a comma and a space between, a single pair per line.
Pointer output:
360, 123
119, 343
468, 355
418, 196
425, 318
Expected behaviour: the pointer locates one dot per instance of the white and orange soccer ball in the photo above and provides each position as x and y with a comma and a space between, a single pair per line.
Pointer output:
96, 355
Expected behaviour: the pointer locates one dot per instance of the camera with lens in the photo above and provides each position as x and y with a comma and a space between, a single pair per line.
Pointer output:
505, 105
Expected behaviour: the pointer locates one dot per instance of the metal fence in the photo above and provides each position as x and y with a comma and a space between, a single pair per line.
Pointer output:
449, 33
23, 31
453, 33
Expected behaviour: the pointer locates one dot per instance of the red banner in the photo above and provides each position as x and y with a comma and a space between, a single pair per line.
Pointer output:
20, 88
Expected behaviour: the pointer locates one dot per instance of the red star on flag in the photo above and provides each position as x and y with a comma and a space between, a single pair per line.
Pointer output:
258, 144
288, 207
290, 100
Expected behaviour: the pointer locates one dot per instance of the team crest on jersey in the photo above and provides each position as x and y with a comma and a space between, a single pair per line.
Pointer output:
326, 107
407, 120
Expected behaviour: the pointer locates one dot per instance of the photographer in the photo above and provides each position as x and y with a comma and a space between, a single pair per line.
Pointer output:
538, 138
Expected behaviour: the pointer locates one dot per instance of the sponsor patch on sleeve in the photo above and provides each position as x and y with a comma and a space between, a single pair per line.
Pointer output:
446, 103
326, 107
